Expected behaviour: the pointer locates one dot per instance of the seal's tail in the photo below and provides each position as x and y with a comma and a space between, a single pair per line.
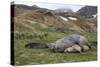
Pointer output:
36, 45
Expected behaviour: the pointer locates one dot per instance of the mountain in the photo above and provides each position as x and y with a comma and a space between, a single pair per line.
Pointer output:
88, 11
62, 10
35, 6
33, 19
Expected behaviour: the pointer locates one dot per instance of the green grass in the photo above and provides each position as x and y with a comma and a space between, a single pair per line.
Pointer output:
26, 56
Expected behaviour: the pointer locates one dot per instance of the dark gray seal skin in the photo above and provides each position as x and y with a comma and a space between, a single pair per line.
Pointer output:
66, 42
75, 38
35, 45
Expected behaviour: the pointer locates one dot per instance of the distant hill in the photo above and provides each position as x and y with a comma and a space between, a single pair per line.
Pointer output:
33, 19
35, 6
88, 11
62, 10
20, 8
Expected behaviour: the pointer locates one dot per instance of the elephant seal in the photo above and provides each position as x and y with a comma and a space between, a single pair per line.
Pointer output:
76, 48
68, 41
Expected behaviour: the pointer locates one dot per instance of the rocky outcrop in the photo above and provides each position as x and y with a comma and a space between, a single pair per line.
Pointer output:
88, 11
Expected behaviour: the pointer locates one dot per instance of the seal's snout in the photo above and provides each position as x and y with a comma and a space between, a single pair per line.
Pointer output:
89, 45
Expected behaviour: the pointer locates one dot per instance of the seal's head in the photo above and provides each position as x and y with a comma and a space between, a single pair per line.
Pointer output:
51, 45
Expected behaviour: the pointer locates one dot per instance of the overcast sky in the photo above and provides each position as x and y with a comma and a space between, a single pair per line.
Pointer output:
52, 6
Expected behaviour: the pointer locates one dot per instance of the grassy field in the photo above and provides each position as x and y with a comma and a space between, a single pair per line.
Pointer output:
26, 56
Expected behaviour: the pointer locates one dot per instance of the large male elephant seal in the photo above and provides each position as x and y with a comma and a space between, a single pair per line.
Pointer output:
61, 45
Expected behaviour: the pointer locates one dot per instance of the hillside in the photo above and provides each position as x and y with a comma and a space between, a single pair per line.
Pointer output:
33, 19
20, 8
